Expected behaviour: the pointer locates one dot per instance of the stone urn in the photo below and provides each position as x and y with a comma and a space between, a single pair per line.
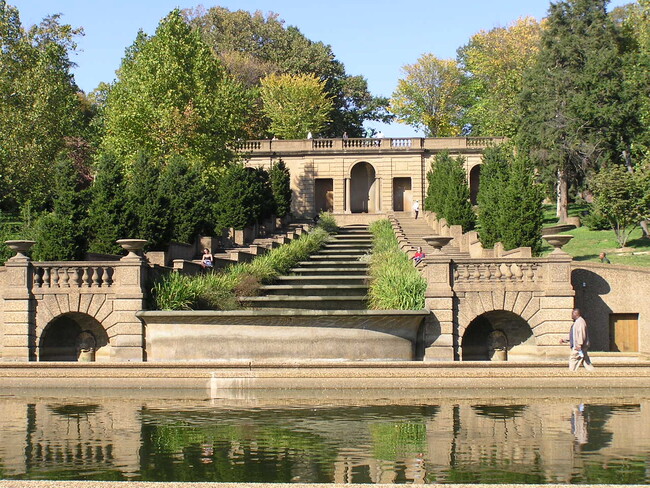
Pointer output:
20, 248
134, 246
557, 241
437, 242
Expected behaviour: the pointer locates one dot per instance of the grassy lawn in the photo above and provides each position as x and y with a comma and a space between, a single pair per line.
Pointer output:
586, 245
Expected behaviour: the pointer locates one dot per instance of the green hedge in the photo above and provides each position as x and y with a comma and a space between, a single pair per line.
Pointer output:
395, 284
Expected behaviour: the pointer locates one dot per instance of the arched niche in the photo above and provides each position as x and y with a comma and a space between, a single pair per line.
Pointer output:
64, 337
511, 330
362, 188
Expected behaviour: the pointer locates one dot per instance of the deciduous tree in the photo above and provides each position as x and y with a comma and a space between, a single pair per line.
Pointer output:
428, 97
295, 104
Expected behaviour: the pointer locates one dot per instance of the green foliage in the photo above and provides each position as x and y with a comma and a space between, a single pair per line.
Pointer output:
60, 235
186, 194
172, 97
146, 208
219, 291
428, 97
494, 63
595, 220
509, 201
623, 198
106, 213
327, 222
448, 193
395, 284
571, 96
244, 196
295, 104
254, 45
39, 106
281, 187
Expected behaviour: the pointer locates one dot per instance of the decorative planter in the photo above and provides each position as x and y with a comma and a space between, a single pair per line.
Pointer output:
437, 242
134, 246
557, 241
20, 247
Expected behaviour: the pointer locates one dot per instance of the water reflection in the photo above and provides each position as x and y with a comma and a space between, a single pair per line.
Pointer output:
539, 440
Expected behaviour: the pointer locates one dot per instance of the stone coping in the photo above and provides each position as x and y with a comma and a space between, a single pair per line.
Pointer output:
168, 484
282, 313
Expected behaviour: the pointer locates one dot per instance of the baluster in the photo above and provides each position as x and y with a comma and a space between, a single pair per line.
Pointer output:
96, 277
456, 274
55, 277
108, 276
85, 278
466, 272
488, 272
38, 277
530, 272
65, 279
47, 277
77, 277
508, 273
519, 274
477, 272
497, 273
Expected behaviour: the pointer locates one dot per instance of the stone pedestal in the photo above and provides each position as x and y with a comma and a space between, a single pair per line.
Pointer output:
18, 311
438, 337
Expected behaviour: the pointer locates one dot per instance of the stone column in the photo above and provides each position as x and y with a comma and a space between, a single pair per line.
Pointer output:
439, 330
378, 195
127, 335
348, 207
18, 310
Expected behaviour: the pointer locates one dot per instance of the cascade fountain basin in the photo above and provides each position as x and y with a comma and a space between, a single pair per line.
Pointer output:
379, 335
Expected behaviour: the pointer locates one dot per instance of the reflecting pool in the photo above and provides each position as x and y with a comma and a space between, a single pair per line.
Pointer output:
548, 438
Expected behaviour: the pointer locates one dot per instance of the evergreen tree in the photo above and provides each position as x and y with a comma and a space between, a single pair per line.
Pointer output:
510, 202
494, 179
281, 187
521, 208
448, 193
60, 235
147, 208
187, 193
106, 214
570, 96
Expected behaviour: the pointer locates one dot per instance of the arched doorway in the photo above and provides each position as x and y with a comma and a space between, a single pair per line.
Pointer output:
64, 337
474, 183
500, 328
362, 188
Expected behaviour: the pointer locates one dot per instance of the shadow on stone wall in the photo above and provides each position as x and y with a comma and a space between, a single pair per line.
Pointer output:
590, 287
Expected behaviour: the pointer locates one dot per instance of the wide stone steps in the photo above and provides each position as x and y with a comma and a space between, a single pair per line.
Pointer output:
320, 289
334, 278
307, 279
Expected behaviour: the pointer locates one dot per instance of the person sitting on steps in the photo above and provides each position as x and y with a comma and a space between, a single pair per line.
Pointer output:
418, 256
207, 260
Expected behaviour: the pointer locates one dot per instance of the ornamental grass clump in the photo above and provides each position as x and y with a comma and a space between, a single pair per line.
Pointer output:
395, 284
219, 290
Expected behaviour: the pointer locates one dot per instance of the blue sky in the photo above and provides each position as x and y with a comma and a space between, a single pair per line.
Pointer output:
372, 38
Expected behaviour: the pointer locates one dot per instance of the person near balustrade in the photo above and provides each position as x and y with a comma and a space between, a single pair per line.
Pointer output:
418, 256
578, 340
345, 135
207, 260
416, 208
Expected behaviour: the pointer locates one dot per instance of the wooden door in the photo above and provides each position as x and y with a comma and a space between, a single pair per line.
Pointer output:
624, 332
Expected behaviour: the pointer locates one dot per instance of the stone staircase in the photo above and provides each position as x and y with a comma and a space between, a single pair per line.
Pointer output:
335, 278
411, 231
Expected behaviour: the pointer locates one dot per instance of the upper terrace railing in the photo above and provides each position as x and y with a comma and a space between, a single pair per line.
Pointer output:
366, 144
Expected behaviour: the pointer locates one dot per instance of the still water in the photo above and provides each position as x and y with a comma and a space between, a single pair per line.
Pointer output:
429, 438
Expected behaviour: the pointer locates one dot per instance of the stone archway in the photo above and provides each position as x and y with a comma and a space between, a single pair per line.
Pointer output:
517, 336
362, 188
474, 183
65, 335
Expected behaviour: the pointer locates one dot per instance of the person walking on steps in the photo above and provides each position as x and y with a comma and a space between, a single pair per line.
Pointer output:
416, 209
578, 340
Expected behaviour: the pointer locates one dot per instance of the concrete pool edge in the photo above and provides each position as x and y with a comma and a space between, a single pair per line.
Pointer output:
171, 484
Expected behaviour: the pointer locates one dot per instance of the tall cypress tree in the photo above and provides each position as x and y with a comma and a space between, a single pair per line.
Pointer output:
281, 186
494, 179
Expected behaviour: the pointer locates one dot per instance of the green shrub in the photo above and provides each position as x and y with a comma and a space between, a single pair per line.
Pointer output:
327, 222
595, 220
219, 291
395, 284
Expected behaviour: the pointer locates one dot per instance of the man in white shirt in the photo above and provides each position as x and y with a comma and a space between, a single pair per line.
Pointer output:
579, 342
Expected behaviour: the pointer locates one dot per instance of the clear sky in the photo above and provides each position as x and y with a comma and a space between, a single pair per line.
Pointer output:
372, 38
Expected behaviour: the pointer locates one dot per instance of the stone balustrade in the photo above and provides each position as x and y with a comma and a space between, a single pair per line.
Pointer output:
467, 273
56, 275
365, 144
